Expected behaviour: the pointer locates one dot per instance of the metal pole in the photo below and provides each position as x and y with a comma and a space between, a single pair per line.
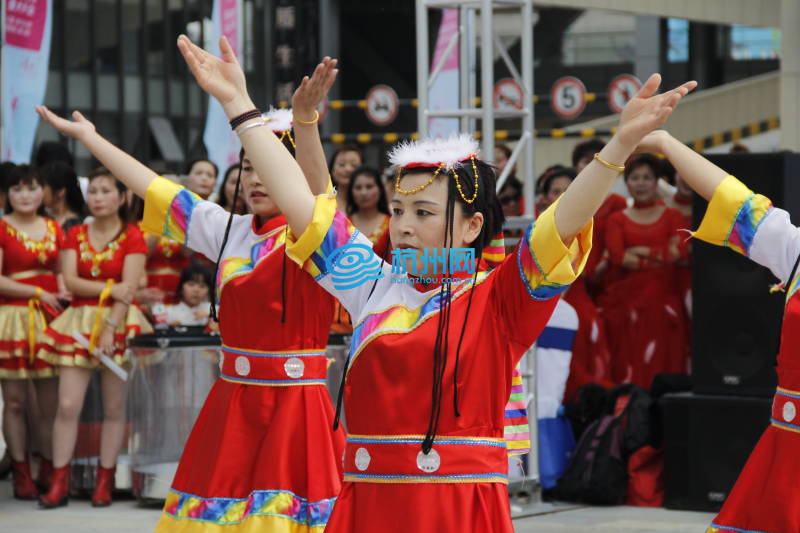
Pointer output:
2, 77
465, 101
422, 68
487, 80
528, 121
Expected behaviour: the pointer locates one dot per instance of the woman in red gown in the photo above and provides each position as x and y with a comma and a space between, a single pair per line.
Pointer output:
29, 247
765, 498
166, 259
102, 262
644, 316
428, 378
261, 455
590, 362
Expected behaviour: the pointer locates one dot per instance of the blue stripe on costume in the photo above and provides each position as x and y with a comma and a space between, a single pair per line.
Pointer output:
556, 338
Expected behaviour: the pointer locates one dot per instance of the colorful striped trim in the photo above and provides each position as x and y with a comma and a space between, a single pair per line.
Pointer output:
785, 425
716, 528
417, 439
532, 273
494, 477
401, 319
746, 222
516, 431
232, 511
234, 267
793, 286
340, 233
178, 218
258, 353
271, 382
787, 392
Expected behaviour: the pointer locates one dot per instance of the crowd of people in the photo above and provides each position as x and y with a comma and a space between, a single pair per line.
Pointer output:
432, 368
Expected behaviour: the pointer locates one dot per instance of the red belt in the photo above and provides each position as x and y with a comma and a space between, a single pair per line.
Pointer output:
786, 410
399, 459
277, 369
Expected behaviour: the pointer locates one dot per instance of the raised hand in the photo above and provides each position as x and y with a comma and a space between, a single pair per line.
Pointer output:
313, 90
647, 111
653, 142
76, 128
221, 77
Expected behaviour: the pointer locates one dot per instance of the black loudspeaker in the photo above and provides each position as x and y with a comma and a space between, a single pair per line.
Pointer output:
736, 320
707, 440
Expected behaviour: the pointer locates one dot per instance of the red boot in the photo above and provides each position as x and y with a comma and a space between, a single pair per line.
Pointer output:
45, 476
103, 485
24, 488
58, 494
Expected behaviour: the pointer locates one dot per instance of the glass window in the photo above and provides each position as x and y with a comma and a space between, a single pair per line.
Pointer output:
678, 40
76, 26
598, 37
748, 42
131, 36
106, 36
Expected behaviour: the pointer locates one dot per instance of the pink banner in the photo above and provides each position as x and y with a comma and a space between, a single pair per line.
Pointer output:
25, 21
229, 17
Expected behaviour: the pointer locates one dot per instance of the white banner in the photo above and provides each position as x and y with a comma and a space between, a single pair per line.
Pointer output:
221, 143
24, 66
444, 94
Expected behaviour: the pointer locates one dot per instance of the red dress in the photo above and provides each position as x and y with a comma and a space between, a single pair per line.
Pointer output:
644, 316
595, 267
766, 497
262, 455
460, 485
85, 314
22, 320
164, 266
591, 360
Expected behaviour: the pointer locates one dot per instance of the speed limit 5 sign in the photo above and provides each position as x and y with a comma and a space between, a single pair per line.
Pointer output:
568, 97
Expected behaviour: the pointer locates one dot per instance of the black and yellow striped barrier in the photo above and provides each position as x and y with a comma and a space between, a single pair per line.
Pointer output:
413, 102
500, 135
735, 134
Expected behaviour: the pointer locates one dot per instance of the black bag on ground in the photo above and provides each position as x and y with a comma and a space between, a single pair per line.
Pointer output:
634, 406
585, 405
596, 473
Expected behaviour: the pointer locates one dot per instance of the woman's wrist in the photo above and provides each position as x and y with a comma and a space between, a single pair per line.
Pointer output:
237, 106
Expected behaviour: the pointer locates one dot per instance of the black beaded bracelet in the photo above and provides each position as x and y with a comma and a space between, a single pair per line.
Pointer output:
244, 117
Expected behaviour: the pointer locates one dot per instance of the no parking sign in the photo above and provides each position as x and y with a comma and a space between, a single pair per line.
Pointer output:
622, 88
382, 105
568, 97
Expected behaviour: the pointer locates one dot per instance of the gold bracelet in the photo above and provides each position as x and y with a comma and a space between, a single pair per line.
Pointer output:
316, 119
612, 166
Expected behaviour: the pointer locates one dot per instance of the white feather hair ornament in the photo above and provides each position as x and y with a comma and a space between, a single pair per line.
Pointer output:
446, 155
446, 152
278, 120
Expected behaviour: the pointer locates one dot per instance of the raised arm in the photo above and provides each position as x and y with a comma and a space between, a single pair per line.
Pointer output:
698, 172
309, 153
124, 167
643, 113
224, 79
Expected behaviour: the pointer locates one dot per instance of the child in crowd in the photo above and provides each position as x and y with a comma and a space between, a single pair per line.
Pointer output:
194, 306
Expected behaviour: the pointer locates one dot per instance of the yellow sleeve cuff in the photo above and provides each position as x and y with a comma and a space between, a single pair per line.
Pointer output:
300, 249
547, 266
168, 209
733, 216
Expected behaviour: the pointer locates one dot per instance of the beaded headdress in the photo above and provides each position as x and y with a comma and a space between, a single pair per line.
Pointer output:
447, 155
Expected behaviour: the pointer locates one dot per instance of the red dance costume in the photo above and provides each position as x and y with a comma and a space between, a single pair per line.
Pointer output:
390, 485
262, 455
86, 313
164, 266
765, 498
644, 316
22, 320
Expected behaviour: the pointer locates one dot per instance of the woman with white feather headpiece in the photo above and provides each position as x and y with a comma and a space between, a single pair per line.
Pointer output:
436, 338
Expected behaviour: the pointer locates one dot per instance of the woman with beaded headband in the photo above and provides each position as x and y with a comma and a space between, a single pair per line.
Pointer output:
428, 380
262, 455
102, 262
765, 498
29, 247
